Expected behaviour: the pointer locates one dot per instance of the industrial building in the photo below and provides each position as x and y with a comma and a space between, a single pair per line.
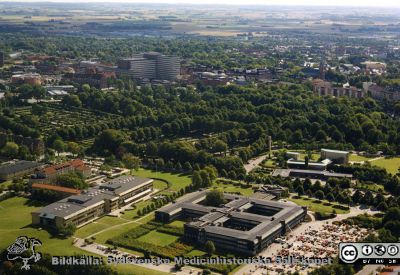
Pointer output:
151, 65
94, 203
243, 225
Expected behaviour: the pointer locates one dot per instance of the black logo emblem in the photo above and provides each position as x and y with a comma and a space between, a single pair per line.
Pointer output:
380, 250
24, 248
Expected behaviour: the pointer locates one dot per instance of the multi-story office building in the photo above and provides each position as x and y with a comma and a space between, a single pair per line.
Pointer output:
94, 203
151, 66
243, 225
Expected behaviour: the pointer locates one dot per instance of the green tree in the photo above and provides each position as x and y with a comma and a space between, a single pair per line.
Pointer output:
10, 149
131, 162
67, 231
73, 147
59, 146
71, 101
210, 248
215, 198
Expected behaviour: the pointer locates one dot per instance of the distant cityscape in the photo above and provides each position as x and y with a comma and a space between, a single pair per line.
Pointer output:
199, 139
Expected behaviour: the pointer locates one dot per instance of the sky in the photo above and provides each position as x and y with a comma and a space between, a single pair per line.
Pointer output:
378, 3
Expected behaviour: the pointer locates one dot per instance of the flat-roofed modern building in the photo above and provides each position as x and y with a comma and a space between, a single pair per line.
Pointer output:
312, 174
17, 168
150, 65
337, 156
94, 203
243, 225
313, 165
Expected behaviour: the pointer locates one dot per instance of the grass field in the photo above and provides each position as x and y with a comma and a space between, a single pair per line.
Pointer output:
15, 219
355, 157
230, 188
314, 205
373, 187
178, 181
391, 165
177, 223
159, 238
97, 226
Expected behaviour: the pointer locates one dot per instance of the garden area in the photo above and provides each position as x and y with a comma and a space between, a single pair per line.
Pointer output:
163, 240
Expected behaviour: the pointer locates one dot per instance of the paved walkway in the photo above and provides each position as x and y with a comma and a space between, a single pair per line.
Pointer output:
118, 225
253, 163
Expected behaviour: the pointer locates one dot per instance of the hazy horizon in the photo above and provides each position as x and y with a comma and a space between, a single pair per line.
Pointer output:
352, 3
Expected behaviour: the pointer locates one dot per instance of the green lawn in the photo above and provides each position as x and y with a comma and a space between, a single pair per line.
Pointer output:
195, 253
104, 236
159, 185
15, 220
313, 156
6, 184
269, 163
230, 188
313, 205
178, 181
391, 165
355, 157
159, 238
177, 223
97, 226
373, 187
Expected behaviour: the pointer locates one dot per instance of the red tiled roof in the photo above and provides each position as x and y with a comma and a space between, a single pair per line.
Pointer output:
76, 163
56, 188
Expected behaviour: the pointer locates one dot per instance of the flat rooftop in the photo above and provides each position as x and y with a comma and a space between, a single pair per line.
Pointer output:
124, 183
92, 196
18, 166
238, 208
287, 173
334, 151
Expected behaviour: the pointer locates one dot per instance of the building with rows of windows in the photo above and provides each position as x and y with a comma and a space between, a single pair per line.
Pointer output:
243, 225
94, 203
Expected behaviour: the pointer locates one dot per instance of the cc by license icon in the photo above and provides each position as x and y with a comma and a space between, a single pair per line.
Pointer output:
349, 253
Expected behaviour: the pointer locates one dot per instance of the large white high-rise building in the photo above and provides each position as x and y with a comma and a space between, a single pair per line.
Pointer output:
150, 65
